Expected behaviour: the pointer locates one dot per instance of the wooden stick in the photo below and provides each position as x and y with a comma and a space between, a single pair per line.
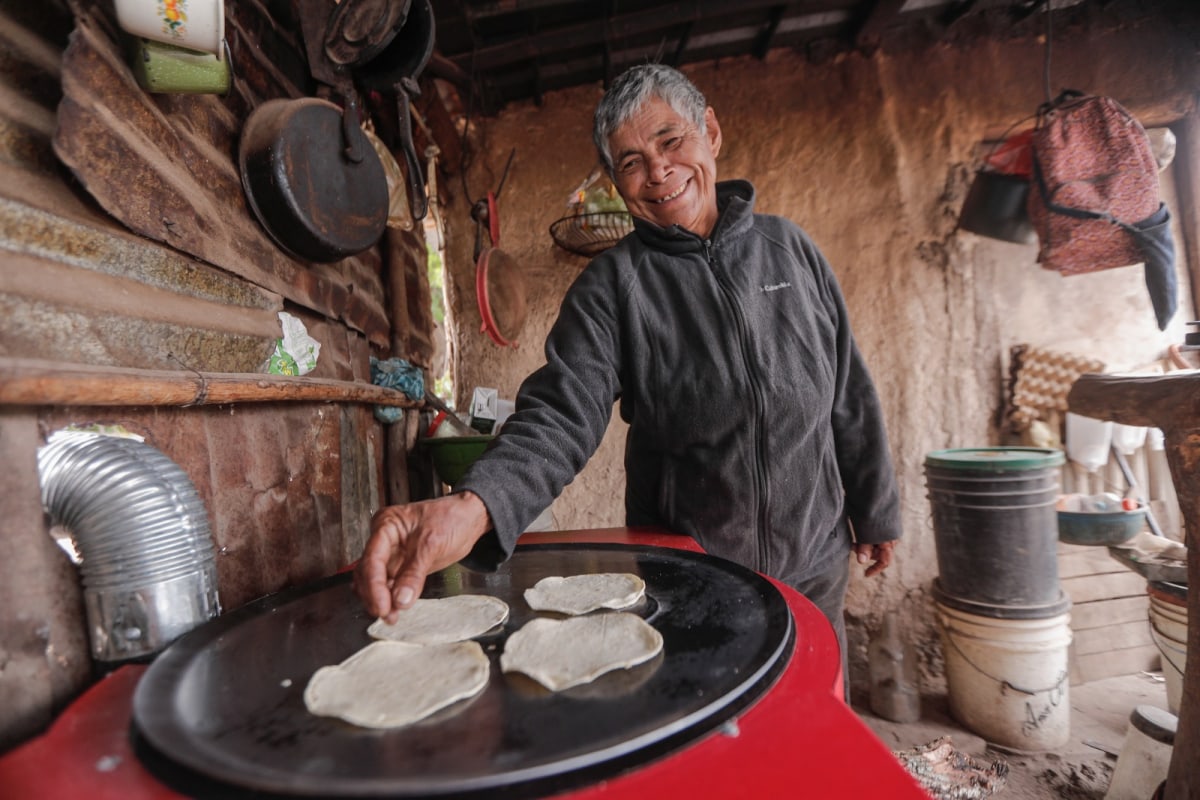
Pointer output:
26, 381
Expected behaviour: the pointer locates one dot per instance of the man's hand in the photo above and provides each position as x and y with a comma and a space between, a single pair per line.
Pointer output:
411, 541
880, 554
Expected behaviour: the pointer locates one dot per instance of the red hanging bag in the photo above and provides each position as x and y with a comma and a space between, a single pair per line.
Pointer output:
1095, 180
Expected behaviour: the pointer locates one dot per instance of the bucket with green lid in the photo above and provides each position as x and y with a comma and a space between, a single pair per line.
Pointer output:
996, 528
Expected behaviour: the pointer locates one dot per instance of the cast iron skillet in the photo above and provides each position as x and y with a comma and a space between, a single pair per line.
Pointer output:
315, 183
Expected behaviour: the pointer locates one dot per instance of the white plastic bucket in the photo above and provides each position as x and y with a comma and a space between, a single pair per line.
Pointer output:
1145, 754
1008, 678
1088, 441
1168, 628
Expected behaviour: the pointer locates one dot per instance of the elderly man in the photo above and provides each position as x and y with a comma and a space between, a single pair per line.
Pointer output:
754, 426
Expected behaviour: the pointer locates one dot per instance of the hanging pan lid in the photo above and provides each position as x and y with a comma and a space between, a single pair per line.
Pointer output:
499, 286
500, 292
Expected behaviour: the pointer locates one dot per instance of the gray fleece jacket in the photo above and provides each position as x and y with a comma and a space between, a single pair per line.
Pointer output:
753, 424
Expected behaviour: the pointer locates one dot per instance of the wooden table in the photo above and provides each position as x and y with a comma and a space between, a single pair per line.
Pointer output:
1172, 403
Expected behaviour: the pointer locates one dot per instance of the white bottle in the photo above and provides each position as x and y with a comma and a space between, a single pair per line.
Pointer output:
1145, 755
895, 689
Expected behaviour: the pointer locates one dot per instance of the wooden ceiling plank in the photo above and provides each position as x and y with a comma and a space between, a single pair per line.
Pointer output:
489, 9
590, 34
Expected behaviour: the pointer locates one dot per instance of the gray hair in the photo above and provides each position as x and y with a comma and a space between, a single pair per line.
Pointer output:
632, 89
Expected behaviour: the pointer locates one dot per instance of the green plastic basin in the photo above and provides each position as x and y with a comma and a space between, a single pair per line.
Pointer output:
452, 455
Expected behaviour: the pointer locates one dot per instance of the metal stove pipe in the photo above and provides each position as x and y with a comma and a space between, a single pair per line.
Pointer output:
141, 536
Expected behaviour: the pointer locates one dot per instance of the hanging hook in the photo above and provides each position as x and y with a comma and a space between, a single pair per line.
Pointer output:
479, 213
504, 174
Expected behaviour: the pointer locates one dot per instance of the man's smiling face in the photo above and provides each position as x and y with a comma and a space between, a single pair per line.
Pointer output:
666, 168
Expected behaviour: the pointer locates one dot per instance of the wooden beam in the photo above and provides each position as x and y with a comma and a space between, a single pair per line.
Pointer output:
568, 38
1187, 189
490, 11
36, 382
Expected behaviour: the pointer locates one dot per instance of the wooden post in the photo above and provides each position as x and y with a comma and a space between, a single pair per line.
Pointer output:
1170, 402
43, 632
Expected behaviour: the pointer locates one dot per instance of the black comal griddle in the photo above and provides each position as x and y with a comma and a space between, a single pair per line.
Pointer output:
221, 711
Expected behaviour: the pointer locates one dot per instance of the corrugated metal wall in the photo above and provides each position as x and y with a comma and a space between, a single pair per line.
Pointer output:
289, 486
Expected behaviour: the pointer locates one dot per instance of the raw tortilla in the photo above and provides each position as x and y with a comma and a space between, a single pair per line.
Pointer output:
389, 684
579, 594
446, 619
561, 653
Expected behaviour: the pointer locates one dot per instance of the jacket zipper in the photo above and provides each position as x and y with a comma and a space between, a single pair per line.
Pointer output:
759, 427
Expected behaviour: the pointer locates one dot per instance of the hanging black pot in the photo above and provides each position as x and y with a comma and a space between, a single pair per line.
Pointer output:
995, 207
314, 182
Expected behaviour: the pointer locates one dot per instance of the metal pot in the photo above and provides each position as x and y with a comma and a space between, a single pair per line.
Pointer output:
314, 182
359, 30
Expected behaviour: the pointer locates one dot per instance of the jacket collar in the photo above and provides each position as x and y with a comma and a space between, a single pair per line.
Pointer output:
735, 202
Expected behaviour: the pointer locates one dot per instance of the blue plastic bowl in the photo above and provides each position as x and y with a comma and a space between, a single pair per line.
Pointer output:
1100, 527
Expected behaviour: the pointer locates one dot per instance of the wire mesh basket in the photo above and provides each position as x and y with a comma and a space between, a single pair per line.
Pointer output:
589, 234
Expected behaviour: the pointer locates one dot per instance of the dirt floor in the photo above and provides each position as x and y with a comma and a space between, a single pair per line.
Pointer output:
1080, 770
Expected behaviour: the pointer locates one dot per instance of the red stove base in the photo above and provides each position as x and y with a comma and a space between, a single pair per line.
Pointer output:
799, 739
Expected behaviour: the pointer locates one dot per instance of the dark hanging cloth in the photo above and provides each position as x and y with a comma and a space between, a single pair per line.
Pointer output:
1154, 238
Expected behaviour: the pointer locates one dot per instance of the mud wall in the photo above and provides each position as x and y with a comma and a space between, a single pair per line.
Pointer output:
873, 156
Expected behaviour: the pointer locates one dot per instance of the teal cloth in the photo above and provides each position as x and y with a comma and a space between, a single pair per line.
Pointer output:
396, 373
